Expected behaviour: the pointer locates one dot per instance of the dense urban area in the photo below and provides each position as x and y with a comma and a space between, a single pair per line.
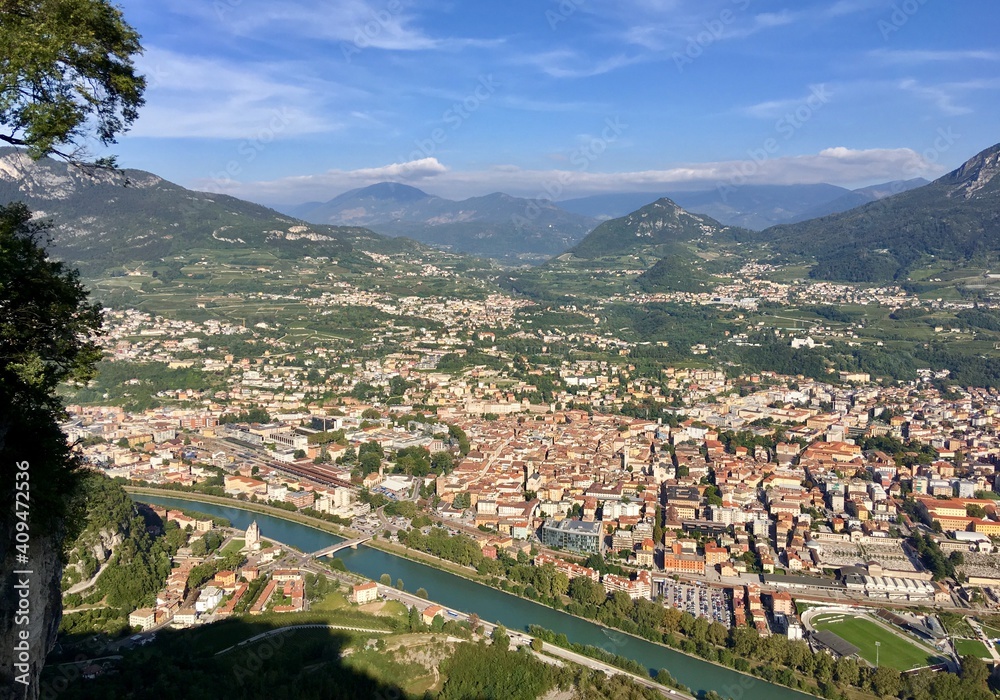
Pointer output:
844, 514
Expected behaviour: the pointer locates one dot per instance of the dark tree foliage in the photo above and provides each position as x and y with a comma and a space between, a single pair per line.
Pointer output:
253, 415
45, 322
932, 557
493, 672
67, 73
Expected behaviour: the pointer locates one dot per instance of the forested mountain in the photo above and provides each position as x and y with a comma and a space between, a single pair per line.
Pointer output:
662, 223
750, 206
859, 197
109, 218
759, 206
955, 218
496, 225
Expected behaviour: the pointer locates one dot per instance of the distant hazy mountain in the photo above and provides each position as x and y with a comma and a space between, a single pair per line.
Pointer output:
749, 206
954, 218
859, 197
496, 225
609, 206
106, 219
662, 224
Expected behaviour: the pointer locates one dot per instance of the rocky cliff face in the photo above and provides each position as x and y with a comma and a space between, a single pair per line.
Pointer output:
30, 611
88, 555
975, 178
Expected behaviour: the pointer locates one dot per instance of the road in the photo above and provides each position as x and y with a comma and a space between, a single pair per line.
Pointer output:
984, 638
521, 639
282, 630
599, 666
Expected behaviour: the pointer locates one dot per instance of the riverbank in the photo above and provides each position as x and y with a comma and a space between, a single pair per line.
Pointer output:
293, 516
433, 562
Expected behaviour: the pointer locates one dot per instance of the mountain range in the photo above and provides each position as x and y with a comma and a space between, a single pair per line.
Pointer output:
955, 219
103, 219
749, 206
107, 219
495, 225
532, 230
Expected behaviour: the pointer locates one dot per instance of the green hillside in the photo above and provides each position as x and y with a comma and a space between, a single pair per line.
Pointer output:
955, 218
658, 224
106, 219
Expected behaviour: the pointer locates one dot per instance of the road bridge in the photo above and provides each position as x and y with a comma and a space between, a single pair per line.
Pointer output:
353, 544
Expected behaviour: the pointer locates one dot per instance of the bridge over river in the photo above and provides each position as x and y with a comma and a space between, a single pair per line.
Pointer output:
327, 551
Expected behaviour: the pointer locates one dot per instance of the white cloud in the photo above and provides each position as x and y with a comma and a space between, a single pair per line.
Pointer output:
775, 109
357, 24
563, 63
324, 185
941, 96
202, 97
850, 7
836, 165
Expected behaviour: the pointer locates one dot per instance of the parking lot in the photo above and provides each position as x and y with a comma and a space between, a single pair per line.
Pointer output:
697, 599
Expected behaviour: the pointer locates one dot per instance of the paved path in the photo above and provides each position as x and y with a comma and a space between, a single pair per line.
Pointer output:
282, 630
84, 585
612, 670
985, 639
521, 639
87, 661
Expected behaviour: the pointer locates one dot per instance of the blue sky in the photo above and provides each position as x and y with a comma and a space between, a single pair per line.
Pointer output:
292, 101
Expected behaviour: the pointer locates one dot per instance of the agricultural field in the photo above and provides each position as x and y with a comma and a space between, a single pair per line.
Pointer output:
897, 650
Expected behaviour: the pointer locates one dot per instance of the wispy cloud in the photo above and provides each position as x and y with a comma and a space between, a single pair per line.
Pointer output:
669, 26
774, 109
565, 63
381, 25
945, 96
911, 58
850, 7
203, 97
326, 184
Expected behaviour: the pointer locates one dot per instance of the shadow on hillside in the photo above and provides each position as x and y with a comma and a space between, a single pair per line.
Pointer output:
292, 665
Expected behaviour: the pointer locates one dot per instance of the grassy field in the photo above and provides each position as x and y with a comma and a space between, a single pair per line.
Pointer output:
332, 601
232, 547
895, 651
992, 631
971, 647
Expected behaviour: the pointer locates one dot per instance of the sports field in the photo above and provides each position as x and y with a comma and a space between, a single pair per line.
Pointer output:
896, 651
971, 647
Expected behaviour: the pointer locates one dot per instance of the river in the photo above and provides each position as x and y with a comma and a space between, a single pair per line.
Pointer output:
495, 606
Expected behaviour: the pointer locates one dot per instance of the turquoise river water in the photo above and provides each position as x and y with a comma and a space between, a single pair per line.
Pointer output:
496, 606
